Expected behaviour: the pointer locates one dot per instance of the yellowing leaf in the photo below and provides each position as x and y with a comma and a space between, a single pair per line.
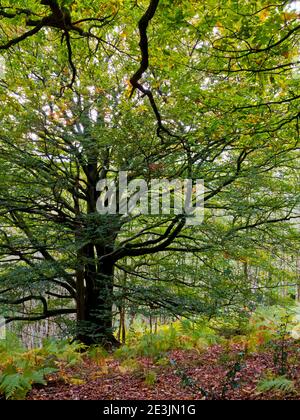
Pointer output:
76, 381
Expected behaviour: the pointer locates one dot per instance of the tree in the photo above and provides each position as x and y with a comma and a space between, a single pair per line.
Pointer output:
209, 93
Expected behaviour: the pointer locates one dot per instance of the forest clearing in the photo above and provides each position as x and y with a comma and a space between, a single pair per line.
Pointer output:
184, 361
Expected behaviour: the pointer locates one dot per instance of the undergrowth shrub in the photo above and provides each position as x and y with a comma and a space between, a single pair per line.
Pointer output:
150, 378
98, 355
181, 335
281, 384
20, 368
269, 327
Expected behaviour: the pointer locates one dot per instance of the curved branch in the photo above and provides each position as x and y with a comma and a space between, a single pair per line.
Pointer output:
24, 300
59, 18
49, 314
144, 45
21, 38
17, 12
166, 240
70, 57
249, 51
165, 235
101, 20
159, 248
135, 80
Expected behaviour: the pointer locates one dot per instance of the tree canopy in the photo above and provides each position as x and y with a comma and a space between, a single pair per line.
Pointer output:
161, 89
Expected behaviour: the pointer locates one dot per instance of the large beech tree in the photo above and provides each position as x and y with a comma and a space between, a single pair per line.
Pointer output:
161, 89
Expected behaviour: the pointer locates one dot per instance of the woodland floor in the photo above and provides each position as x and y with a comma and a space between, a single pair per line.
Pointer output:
109, 380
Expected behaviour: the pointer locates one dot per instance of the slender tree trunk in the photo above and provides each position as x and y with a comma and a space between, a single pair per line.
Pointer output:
122, 325
298, 280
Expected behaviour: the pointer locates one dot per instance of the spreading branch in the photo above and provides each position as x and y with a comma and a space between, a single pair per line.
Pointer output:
59, 18
44, 315
135, 80
47, 315
144, 44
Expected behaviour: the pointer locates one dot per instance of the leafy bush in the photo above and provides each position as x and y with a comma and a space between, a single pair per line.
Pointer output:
125, 352
150, 378
61, 351
270, 320
183, 335
20, 369
156, 345
17, 381
131, 366
198, 334
269, 325
98, 354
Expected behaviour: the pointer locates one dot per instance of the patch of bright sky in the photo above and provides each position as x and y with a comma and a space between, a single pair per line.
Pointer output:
294, 5
2, 67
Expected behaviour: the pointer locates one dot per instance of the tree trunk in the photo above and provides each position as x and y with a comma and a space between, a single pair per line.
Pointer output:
122, 324
95, 311
298, 280
95, 279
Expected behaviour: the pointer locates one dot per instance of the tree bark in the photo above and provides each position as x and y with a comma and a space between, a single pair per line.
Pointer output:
95, 309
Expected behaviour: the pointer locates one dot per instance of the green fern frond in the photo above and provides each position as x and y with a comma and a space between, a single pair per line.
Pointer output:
280, 383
